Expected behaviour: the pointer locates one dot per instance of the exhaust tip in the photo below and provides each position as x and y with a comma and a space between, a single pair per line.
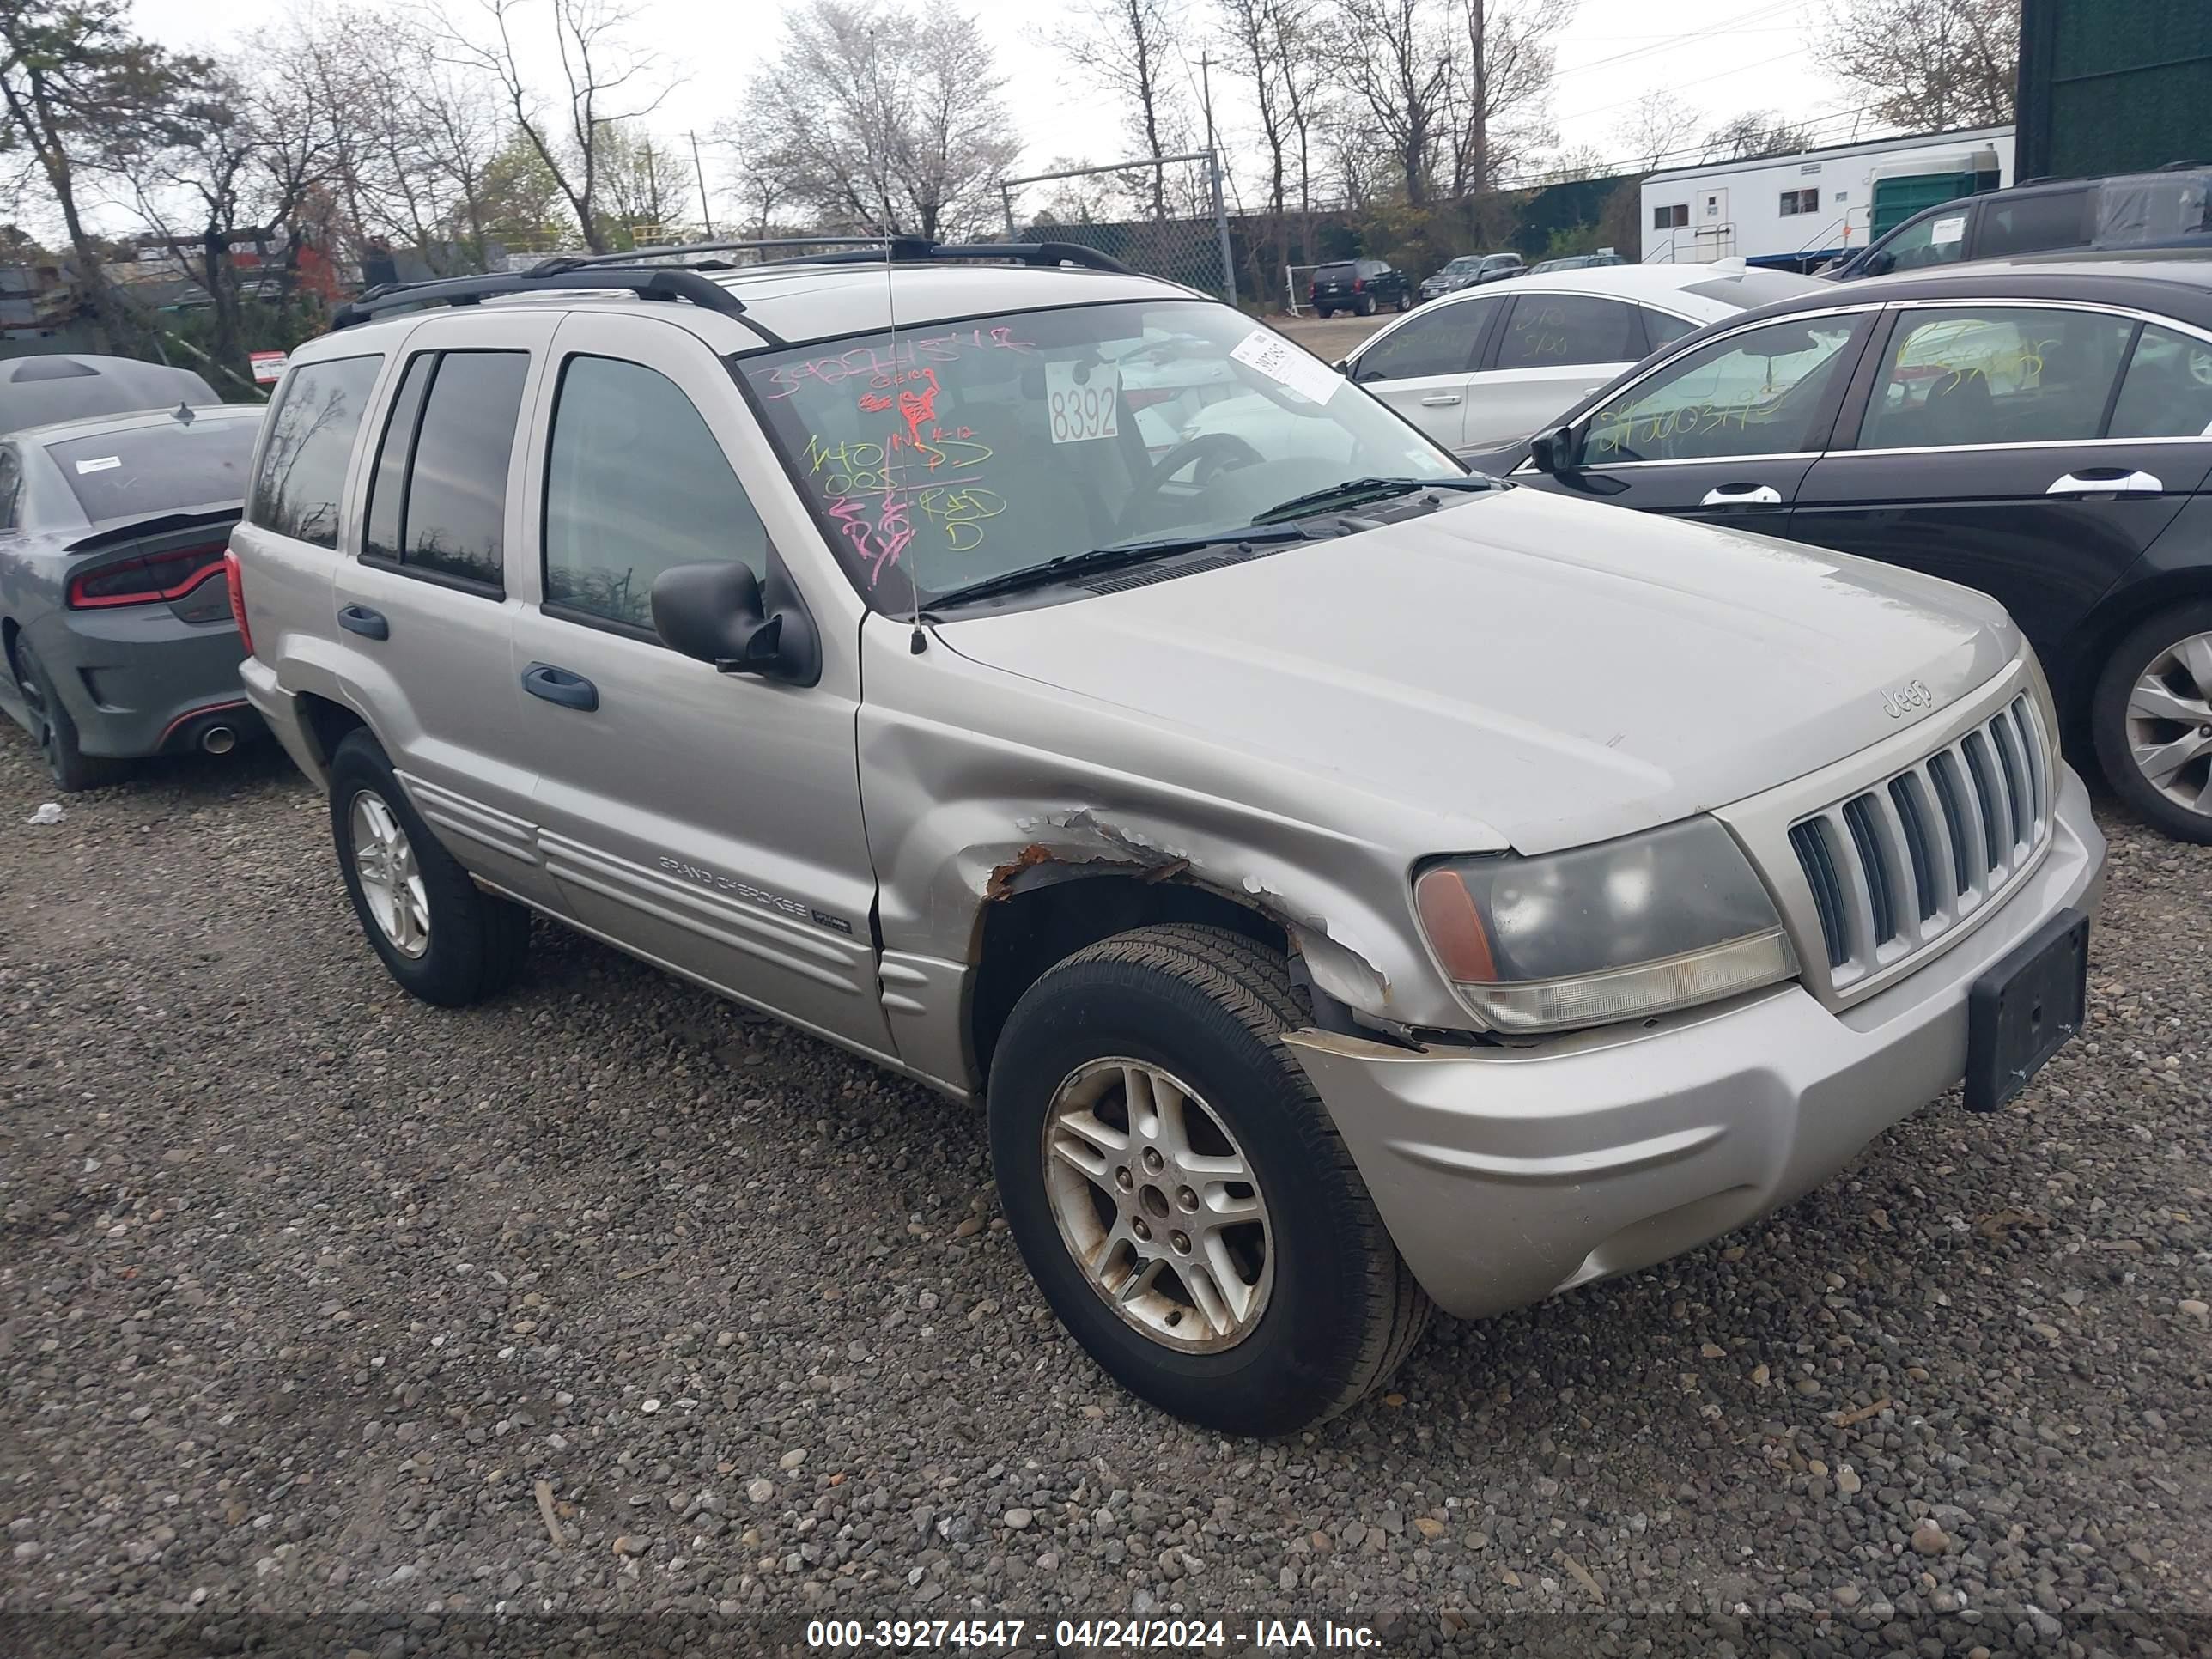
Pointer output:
218, 740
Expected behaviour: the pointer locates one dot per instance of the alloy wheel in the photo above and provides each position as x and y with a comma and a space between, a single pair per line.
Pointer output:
1158, 1205
390, 880
2169, 723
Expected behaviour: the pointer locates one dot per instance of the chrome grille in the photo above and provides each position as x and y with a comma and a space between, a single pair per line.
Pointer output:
1894, 868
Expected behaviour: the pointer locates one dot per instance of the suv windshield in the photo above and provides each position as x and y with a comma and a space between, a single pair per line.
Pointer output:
157, 469
965, 452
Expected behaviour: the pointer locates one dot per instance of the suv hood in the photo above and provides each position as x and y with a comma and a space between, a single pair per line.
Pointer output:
1545, 672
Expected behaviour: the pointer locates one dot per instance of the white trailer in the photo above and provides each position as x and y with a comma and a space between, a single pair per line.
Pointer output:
1801, 210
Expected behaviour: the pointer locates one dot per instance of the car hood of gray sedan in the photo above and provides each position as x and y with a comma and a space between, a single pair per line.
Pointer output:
1551, 671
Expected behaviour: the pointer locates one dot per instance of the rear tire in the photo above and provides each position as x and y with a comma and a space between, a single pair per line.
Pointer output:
1323, 313
2174, 649
55, 731
443, 938
1328, 1308
1367, 304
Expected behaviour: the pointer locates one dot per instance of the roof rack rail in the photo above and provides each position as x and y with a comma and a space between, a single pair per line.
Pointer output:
655, 282
849, 250
560, 262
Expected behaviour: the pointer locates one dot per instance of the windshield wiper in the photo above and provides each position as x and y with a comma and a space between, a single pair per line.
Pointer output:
1068, 565
1353, 491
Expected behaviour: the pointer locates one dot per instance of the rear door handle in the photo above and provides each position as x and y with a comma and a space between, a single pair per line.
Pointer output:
2106, 481
360, 619
1742, 496
543, 679
1442, 400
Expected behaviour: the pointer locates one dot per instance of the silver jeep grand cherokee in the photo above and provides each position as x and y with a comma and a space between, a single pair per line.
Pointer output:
1349, 884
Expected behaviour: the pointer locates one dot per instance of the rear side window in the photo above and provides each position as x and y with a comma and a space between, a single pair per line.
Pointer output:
1998, 374
1661, 328
157, 469
443, 507
2167, 392
1556, 329
635, 484
1433, 341
303, 461
11, 485
2027, 224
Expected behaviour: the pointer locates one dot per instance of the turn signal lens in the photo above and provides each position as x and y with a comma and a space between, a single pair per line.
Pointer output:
234, 579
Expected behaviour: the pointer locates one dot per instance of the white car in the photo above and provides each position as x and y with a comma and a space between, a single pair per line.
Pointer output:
1490, 366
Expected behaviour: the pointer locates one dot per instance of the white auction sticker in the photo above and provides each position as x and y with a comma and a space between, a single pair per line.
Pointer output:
1944, 232
100, 465
1286, 365
1079, 411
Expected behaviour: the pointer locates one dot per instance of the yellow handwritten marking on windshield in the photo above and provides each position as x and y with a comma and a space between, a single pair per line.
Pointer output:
960, 509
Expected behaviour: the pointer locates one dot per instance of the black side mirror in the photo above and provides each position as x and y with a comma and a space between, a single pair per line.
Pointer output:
718, 613
1343, 366
1880, 264
1553, 452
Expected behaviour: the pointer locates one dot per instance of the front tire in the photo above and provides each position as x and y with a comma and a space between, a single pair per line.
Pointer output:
444, 938
2151, 720
1180, 1192
55, 731
1405, 301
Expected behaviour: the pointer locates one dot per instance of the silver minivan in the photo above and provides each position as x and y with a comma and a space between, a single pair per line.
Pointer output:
1348, 886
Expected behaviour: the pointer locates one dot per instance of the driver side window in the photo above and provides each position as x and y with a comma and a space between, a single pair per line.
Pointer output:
1438, 341
1754, 393
1936, 241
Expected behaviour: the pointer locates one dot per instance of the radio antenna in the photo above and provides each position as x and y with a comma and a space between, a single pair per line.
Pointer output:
917, 641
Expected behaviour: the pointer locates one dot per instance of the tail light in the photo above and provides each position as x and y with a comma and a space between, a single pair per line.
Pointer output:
1358, 283
146, 579
233, 578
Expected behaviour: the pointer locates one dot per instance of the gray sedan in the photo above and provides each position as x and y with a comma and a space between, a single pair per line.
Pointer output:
114, 611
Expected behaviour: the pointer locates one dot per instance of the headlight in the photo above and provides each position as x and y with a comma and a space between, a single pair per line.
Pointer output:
1663, 920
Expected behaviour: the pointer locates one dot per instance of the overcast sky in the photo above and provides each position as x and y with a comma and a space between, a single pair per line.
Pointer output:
1723, 57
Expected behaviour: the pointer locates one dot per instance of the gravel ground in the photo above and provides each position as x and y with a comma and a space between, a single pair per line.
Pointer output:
307, 1286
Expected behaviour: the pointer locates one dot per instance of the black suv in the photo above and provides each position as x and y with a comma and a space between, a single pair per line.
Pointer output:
1365, 286
2168, 209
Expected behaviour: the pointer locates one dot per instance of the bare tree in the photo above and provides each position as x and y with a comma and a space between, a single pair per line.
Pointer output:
603, 81
646, 185
1128, 47
1502, 87
1753, 134
877, 119
1400, 61
1656, 129
1927, 64
239, 161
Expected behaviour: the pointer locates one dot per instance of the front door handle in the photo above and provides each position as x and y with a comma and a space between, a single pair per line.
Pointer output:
1738, 495
1442, 400
543, 679
360, 619
2106, 481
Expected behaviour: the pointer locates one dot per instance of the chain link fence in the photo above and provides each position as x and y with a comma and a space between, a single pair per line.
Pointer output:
1165, 217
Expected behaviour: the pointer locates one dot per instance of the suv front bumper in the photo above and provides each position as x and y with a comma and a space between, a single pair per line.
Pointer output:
1506, 1174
